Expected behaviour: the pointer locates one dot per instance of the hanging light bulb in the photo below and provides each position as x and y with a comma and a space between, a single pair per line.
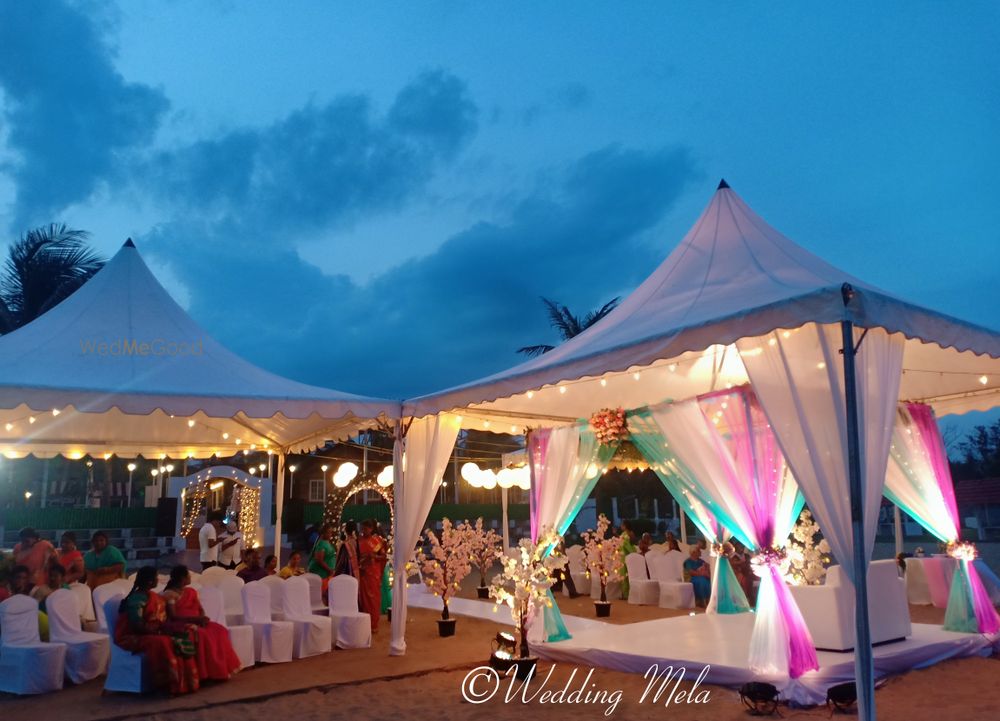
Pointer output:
488, 480
384, 478
507, 478
470, 473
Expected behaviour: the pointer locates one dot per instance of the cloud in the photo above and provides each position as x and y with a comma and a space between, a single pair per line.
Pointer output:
455, 314
70, 117
321, 165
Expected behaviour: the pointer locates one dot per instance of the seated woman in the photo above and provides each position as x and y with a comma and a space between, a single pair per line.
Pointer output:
70, 558
217, 660
294, 566
271, 565
103, 562
142, 628
700, 575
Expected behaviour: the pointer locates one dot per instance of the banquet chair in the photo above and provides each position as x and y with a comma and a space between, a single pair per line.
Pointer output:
643, 590
613, 589
828, 609
232, 599
668, 570
27, 666
85, 602
273, 641
86, 653
576, 570
213, 575
275, 583
313, 634
118, 587
316, 594
241, 636
351, 627
126, 670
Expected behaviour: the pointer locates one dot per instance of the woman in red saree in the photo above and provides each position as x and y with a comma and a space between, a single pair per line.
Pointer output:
217, 660
372, 557
140, 628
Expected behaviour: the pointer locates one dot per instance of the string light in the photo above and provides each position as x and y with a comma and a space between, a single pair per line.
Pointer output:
984, 380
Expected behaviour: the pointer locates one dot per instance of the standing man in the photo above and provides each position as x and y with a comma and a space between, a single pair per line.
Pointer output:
208, 540
231, 547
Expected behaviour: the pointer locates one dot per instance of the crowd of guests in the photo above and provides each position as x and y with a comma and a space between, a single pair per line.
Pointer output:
696, 569
361, 552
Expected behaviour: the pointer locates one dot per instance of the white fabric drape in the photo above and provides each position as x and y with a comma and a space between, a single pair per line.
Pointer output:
568, 454
428, 445
798, 376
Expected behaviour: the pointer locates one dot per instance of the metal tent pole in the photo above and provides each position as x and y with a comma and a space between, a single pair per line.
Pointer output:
279, 506
897, 519
863, 668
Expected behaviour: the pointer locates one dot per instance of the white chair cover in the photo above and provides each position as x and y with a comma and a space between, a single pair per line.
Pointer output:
613, 592
27, 666
118, 587
273, 641
351, 628
668, 570
642, 590
240, 636
212, 575
87, 654
84, 601
126, 670
313, 634
275, 583
232, 598
576, 569
316, 594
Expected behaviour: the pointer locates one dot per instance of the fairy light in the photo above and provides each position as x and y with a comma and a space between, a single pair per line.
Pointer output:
9, 426
604, 382
191, 423
531, 394
32, 419
562, 389
984, 380
56, 411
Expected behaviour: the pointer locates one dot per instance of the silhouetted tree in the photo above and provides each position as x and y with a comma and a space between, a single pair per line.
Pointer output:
567, 324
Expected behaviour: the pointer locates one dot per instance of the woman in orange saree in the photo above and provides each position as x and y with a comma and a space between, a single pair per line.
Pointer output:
140, 629
216, 659
372, 557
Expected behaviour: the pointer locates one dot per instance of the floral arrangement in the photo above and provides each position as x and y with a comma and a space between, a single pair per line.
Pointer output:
485, 549
609, 425
602, 555
447, 562
962, 551
808, 557
525, 579
767, 558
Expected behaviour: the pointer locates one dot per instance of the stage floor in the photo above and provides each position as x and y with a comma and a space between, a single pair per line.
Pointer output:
721, 642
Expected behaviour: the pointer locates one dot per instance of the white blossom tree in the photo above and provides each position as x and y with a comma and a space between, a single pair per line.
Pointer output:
485, 549
602, 555
808, 552
448, 562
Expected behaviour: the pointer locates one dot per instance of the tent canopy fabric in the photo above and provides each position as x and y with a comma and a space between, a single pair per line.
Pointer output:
733, 276
119, 367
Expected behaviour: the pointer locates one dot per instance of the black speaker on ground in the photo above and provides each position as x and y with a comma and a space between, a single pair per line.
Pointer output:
294, 522
166, 517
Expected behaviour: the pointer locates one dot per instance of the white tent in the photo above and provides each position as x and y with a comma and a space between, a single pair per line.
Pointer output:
120, 368
829, 356
733, 276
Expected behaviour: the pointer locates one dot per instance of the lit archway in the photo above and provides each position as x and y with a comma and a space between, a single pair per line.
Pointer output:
337, 499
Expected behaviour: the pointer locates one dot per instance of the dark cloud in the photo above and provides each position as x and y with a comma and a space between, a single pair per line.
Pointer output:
455, 314
69, 116
322, 165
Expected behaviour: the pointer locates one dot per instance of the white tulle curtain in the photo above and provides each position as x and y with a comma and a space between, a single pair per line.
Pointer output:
418, 463
798, 376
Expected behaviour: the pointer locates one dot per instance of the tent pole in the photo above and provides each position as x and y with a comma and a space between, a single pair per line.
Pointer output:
400, 555
505, 521
863, 668
898, 527
684, 527
279, 505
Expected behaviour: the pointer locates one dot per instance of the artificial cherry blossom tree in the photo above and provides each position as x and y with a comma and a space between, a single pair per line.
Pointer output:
602, 555
448, 562
485, 549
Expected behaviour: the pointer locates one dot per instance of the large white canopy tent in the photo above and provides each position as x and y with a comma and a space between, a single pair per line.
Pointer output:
737, 302
120, 368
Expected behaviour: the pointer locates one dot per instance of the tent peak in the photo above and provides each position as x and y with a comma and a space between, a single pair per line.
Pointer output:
128, 243
723, 185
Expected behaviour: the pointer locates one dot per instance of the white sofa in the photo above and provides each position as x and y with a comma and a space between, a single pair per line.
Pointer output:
828, 609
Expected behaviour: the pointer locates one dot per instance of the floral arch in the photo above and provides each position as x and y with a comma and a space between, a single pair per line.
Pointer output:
338, 497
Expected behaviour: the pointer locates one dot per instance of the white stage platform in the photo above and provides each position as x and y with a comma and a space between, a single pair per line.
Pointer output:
721, 642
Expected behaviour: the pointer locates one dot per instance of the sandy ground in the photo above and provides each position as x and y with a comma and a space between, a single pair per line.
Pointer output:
428, 683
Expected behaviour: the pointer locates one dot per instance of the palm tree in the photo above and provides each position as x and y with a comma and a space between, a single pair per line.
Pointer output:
568, 325
43, 268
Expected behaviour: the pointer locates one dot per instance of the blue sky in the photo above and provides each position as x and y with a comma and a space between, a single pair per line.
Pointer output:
373, 196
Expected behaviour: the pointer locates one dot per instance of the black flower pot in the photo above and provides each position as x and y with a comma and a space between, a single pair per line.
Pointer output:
603, 608
483, 591
446, 626
388, 615
524, 666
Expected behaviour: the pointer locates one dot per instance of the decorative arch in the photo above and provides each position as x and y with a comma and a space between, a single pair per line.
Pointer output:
337, 498
246, 497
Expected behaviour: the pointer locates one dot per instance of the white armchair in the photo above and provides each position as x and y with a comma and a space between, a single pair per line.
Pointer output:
828, 609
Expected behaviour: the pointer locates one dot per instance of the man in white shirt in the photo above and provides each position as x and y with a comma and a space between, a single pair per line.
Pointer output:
231, 547
208, 540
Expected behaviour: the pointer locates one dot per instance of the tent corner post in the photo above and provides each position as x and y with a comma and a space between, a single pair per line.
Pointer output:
863, 665
279, 504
